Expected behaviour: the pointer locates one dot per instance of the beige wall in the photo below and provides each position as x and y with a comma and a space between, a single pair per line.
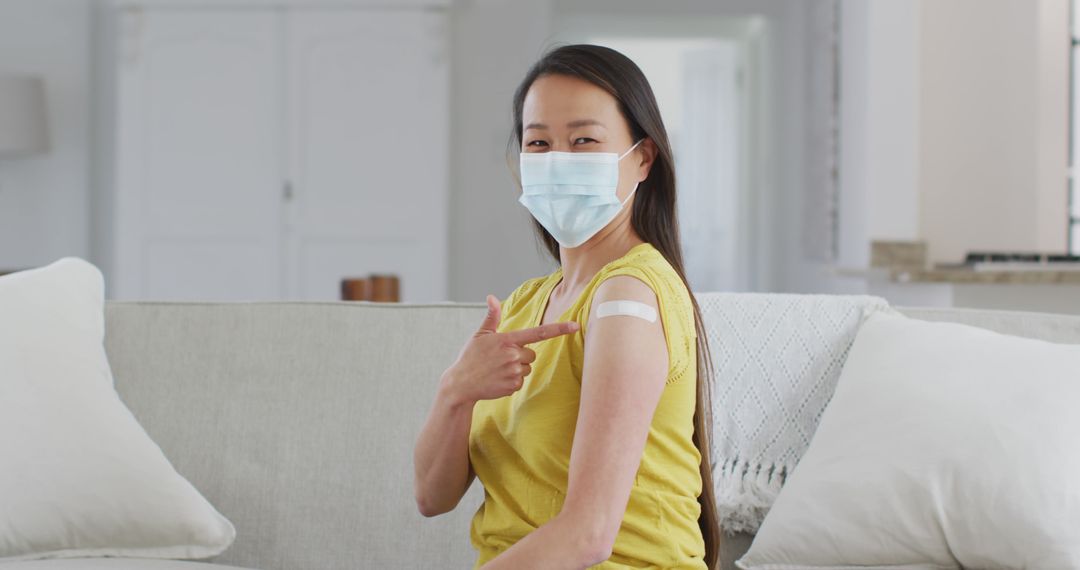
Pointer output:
993, 119
1054, 44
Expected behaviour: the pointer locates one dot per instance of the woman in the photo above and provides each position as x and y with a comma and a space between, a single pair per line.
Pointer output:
581, 402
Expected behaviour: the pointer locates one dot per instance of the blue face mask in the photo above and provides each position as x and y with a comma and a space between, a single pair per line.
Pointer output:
572, 194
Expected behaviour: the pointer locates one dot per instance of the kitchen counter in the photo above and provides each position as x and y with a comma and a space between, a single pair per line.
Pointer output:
1000, 276
1020, 290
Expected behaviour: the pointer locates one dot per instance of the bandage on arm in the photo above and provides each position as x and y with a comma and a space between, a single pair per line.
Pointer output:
627, 308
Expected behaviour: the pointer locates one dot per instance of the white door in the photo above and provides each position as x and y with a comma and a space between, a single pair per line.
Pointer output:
198, 200
367, 136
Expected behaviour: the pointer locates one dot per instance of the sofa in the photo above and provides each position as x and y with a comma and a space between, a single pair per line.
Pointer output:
297, 421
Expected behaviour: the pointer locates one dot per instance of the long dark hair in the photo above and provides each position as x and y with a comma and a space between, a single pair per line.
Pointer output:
653, 216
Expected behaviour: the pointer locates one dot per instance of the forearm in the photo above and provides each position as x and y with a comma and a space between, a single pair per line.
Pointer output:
564, 542
441, 455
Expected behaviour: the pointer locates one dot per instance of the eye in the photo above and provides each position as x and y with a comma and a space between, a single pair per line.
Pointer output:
583, 140
537, 143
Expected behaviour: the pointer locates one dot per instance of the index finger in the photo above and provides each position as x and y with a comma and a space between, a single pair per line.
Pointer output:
542, 332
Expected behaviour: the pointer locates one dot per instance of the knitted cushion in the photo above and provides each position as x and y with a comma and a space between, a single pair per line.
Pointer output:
776, 359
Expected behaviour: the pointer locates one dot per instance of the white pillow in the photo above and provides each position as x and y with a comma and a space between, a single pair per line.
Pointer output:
78, 475
944, 445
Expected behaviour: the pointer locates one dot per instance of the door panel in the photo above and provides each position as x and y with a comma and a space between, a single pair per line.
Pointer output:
200, 162
266, 154
367, 138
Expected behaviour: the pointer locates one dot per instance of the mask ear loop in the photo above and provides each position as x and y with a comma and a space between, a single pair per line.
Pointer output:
628, 196
629, 150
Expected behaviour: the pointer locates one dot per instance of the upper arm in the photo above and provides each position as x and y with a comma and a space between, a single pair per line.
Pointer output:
625, 370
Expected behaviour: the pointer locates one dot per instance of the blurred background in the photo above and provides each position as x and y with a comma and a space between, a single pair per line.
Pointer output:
317, 150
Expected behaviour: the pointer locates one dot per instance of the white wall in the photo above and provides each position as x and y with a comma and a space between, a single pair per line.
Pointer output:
879, 106
492, 248
44, 199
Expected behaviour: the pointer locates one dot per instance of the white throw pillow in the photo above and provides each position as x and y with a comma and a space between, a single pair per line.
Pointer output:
944, 446
78, 475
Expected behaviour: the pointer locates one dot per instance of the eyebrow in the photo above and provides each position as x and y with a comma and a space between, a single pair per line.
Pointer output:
570, 125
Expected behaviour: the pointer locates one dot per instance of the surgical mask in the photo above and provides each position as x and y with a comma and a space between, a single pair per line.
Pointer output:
572, 194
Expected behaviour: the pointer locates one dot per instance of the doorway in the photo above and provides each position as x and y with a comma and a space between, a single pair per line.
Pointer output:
708, 90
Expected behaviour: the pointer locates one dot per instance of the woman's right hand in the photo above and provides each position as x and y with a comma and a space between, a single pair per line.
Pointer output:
494, 364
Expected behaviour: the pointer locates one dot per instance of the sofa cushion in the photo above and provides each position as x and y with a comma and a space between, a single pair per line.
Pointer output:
78, 475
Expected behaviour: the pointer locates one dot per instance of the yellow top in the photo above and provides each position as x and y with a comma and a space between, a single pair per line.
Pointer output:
519, 445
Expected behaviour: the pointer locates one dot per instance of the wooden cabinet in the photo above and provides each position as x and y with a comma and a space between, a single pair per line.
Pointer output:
265, 153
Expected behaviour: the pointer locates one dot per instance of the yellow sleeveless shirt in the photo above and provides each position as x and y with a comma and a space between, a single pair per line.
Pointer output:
519, 445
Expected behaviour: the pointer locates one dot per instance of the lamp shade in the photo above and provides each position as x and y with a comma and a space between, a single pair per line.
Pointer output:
23, 128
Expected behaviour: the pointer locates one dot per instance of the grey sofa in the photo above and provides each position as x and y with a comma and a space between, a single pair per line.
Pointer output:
297, 420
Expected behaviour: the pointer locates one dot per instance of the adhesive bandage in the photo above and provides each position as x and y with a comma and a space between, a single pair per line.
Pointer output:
628, 308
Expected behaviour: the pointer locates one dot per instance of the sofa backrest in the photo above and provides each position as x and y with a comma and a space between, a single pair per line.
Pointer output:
297, 420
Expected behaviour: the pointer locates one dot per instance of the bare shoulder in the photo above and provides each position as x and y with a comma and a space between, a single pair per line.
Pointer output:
624, 287
627, 296
628, 337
